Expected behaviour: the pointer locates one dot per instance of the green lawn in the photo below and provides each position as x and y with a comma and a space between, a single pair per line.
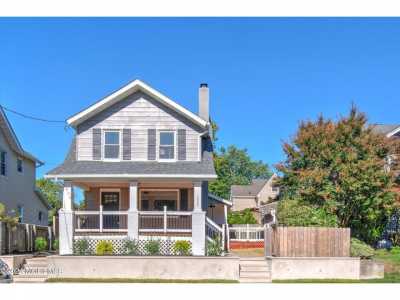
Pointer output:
392, 271
135, 280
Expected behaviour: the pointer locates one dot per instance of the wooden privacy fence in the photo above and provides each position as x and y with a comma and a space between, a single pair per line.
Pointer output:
21, 238
307, 242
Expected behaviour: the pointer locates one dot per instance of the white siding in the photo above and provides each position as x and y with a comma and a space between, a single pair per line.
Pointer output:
138, 112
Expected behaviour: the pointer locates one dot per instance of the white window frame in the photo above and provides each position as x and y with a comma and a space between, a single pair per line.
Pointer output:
159, 145
104, 145
19, 159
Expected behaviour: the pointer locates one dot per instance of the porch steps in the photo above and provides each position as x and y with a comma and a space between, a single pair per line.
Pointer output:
254, 270
33, 271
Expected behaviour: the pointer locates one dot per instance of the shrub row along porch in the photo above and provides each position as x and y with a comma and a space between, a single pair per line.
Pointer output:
135, 210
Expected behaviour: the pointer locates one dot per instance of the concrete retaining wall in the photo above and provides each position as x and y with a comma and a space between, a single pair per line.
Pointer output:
15, 261
315, 268
370, 269
144, 267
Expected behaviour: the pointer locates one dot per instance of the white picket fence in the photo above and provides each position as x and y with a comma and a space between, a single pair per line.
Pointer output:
246, 232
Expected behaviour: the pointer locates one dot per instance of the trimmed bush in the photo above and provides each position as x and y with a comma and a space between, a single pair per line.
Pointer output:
360, 249
182, 248
152, 247
40, 244
104, 248
131, 247
81, 247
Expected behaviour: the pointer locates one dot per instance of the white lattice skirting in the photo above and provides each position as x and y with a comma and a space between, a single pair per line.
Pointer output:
166, 245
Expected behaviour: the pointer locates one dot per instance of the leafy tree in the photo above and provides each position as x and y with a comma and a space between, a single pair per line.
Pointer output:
235, 166
53, 191
339, 167
241, 217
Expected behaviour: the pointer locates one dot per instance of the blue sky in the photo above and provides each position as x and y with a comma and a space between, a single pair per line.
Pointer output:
264, 74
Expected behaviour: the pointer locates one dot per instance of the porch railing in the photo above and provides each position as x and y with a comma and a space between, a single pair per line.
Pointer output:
100, 221
214, 231
165, 221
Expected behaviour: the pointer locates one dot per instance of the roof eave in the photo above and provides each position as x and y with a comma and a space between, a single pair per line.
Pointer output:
132, 87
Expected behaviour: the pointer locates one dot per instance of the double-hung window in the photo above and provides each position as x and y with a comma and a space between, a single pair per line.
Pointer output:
112, 145
3, 163
167, 145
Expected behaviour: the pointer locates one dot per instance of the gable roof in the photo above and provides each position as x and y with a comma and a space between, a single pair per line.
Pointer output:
386, 129
126, 90
11, 137
250, 190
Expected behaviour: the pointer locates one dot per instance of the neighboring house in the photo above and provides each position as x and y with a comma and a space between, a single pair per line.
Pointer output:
18, 178
144, 163
390, 131
255, 195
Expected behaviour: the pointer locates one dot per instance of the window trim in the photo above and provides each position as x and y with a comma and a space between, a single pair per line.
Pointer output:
5, 163
19, 159
159, 145
103, 152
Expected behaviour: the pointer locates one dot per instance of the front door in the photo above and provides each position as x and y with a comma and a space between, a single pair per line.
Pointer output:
110, 202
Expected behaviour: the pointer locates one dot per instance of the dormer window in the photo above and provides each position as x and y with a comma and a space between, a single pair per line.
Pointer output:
167, 145
112, 147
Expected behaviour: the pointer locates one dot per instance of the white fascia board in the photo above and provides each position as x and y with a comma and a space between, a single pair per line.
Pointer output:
393, 132
127, 176
129, 89
219, 199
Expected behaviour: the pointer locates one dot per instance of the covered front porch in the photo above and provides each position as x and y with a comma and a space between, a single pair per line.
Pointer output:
139, 209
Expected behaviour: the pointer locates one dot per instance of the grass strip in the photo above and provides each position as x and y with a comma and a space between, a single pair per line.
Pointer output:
135, 280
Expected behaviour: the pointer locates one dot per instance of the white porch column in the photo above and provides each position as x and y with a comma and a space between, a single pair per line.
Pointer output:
65, 219
198, 222
133, 214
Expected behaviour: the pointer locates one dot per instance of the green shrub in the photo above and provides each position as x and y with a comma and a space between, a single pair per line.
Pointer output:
295, 213
56, 244
104, 248
241, 217
360, 249
214, 247
81, 247
395, 250
131, 247
152, 247
40, 244
182, 248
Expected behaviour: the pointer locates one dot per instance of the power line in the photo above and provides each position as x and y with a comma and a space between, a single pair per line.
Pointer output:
30, 117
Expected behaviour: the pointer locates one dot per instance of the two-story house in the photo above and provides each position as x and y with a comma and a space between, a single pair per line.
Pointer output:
144, 163
18, 190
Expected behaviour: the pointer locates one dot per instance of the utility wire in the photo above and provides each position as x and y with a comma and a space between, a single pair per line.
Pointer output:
30, 117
